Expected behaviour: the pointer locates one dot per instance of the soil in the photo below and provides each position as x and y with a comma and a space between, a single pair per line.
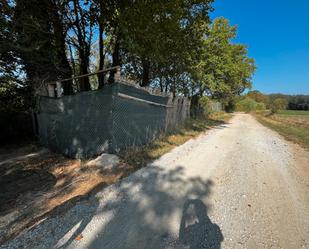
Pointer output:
35, 182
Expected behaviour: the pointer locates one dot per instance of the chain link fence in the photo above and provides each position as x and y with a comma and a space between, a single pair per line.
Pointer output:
116, 117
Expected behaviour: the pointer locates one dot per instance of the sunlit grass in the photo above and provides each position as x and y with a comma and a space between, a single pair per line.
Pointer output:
292, 112
293, 125
140, 156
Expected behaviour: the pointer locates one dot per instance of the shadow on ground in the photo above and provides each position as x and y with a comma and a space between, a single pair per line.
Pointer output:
153, 208
20, 182
161, 195
196, 228
37, 185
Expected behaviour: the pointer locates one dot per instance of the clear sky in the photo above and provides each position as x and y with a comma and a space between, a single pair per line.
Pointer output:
277, 34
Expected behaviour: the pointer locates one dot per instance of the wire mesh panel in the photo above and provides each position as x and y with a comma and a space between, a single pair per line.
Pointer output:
114, 118
80, 127
215, 106
136, 121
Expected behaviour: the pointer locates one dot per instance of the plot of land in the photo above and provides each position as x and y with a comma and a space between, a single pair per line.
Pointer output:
35, 182
297, 118
294, 125
239, 186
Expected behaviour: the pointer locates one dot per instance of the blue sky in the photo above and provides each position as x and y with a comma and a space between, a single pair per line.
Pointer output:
277, 34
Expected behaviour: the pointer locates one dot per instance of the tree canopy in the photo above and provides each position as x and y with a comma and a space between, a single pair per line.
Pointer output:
172, 45
224, 68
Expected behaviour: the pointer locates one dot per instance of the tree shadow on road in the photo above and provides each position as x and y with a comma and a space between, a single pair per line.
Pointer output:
152, 212
148, 209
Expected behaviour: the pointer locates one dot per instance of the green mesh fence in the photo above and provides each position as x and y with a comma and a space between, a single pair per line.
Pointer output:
108, 120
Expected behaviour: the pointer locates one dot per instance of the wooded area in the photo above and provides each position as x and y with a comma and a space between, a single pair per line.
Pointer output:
171, 45
295, 102
257, 101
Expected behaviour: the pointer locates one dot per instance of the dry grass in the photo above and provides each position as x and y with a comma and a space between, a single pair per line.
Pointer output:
32, 188
141, 156
290, 124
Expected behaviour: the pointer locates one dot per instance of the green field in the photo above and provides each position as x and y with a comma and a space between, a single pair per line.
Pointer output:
292, 112
293, 125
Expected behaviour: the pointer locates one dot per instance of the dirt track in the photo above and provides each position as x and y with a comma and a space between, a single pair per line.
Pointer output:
239, 186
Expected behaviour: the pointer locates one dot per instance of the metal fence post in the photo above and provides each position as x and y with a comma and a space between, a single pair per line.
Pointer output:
59, 89
51, 90
117, 74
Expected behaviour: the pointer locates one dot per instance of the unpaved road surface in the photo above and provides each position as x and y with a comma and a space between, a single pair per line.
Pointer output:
239, 186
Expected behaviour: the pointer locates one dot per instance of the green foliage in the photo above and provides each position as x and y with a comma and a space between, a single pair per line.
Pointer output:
205, 104
278, 104
161, 38
224, 69
168, 44
34, 39
258, 97
252, 101
14, 98
260, 106
172, 45
9, 61
249, 105
293, 113
230, 104
295, 102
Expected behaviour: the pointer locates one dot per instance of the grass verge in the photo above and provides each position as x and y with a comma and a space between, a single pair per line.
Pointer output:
290, 127
293, 112
140, 156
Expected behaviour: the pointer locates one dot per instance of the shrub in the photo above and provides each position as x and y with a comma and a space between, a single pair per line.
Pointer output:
260, 106
230, 105
247, 105
278, 104
204, 103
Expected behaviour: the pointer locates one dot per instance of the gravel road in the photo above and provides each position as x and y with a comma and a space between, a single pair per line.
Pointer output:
240, 185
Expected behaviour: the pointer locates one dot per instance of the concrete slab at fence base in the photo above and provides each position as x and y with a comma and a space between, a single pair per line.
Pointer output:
117, 117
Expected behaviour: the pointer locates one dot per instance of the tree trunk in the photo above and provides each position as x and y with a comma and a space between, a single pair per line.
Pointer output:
174, 87
116, 61
166, 85
72, 61
101, 55
146, 73
161, 84
194, 106
84, 50
63, 66
84, 83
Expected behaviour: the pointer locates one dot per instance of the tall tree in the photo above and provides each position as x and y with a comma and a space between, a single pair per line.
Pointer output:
171, 44
8, 56
56, 11
161, 34
34, 40
224, 69
258, 97
81, 23
39, 33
